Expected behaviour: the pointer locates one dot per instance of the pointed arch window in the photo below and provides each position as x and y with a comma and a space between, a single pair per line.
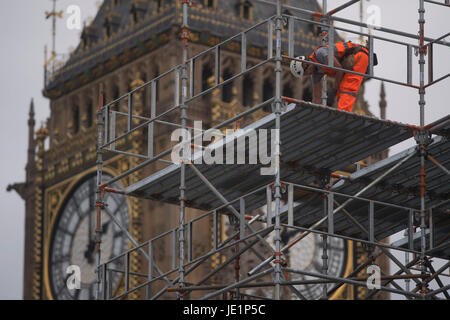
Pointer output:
146, 92
206, 76
246, 10
210, 3
227, 89
115, 93
89, 114
155, 75
107, 27
268, 92
84, 41
247, 91
75, 119
137, 11
158, 4
134, 15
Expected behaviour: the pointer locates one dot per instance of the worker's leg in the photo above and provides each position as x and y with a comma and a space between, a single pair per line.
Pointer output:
348, 90
317, 88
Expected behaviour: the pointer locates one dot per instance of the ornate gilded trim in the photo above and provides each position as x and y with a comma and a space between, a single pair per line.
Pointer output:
54, 200
345, 292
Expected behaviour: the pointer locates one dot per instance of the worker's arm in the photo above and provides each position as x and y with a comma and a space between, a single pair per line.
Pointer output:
339, 74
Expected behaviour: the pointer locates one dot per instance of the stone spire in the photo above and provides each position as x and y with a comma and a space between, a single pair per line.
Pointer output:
383, 102
21, 187
31, 141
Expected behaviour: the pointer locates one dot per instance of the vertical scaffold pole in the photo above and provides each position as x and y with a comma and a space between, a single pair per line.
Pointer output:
277, 152
410, 234
325, 41
422, 52
325, 248
99, 193
185, 4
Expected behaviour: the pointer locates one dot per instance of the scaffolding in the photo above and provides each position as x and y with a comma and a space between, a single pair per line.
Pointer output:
350, 207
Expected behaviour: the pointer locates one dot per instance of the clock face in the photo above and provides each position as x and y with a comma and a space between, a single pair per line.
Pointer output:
306, 255
73, 240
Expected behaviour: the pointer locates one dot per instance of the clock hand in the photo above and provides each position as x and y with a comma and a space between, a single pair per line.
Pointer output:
89, 251
88, 254
106, 226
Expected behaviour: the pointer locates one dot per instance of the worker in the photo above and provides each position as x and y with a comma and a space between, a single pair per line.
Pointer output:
347, 55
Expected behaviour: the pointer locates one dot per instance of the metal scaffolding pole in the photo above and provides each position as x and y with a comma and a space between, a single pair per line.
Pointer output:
183, 108
277, 154
99, 204
325, 41
421, 141
326, 213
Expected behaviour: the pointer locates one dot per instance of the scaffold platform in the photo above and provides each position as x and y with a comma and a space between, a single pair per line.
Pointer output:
311, 134
400, 189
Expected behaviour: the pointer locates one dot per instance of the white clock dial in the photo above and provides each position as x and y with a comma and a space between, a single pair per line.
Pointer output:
73, 239
306, 255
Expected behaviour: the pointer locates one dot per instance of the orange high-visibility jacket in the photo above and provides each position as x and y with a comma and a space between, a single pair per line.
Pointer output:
341, 50
350, 83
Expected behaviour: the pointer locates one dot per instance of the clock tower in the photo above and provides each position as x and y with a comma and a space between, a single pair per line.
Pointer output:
128, 43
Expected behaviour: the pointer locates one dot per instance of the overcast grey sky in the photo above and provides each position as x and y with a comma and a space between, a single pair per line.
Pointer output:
24, 32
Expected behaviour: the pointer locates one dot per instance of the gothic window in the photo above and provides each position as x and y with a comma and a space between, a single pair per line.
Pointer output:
115, 3
206, 75
89, 114
227, 89
210, 3
267, 89
116, 93
107, 27
88, 36
247, 91
158, 5
84, 41
137, 11
76, 119
134, 15
246, 10
146, 92
156, 74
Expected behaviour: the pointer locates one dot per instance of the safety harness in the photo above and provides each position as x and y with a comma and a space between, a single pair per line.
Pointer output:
348, 48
